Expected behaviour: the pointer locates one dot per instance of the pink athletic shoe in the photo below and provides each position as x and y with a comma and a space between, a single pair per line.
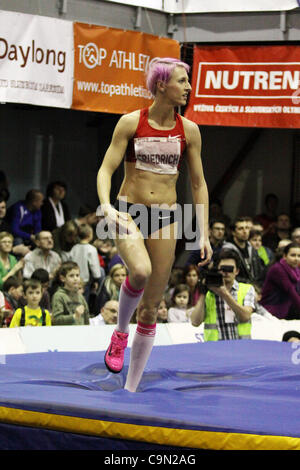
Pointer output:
114, 356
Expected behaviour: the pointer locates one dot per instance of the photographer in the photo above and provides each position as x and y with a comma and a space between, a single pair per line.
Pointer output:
227, 306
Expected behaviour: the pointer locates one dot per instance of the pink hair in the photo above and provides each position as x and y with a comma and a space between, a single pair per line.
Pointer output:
161, 69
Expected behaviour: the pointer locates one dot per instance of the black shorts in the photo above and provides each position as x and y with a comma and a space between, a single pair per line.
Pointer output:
148, 219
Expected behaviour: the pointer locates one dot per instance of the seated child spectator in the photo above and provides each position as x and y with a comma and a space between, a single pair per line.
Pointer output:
176, 277
162, 312
31, 314
69, 307
42, 275
13, 294
86, 256
180, 302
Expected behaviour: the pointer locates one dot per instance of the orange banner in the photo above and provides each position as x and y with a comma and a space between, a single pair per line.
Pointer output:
110, 66
246, 86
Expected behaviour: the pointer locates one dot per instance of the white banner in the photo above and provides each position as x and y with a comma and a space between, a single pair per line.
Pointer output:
213, 6
219, 6
36, 60
96, 338
155, 4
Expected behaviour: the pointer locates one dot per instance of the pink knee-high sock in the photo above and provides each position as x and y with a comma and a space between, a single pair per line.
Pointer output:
128, 301
140, 351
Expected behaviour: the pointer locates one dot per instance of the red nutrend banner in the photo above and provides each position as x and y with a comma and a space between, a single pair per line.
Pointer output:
248, 86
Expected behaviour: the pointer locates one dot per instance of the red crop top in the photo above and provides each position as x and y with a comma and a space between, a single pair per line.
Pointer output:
155, 150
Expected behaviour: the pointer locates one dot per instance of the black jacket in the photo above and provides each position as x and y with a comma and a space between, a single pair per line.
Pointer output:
256, 271
48, 215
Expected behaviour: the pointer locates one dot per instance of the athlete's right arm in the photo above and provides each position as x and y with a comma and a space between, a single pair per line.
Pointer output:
123, 132
198, 311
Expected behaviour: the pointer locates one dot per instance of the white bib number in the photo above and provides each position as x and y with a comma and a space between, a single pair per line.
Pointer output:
157, 154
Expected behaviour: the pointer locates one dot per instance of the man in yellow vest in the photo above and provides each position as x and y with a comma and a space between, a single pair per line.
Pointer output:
226, 310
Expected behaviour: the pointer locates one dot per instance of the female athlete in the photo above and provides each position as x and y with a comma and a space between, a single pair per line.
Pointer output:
144, 220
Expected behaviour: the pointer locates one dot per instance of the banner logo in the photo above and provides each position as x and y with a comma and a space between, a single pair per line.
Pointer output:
30, 54
247, 80
91, 55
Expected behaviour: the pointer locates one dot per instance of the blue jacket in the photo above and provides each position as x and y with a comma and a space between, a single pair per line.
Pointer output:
24, 222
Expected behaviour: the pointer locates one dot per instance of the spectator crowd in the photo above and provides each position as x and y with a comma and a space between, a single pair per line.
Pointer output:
54, 270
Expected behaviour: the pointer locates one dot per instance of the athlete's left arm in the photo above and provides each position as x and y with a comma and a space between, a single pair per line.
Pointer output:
199, 186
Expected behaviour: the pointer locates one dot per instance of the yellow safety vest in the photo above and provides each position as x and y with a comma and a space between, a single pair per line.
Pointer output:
262, 252
210, 322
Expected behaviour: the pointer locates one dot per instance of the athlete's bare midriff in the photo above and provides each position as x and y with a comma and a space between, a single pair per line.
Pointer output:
144, 187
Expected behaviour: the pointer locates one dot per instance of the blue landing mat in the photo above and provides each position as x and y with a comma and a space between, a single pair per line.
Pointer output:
224, 395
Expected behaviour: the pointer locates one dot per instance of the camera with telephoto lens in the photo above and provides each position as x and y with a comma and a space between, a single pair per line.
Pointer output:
213, 277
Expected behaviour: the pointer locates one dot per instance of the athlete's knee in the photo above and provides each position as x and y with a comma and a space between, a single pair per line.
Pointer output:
140, 274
